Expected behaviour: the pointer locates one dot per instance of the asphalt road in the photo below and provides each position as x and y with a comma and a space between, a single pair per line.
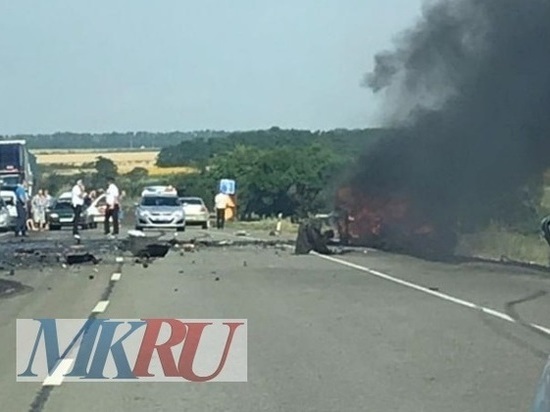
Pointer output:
358, 332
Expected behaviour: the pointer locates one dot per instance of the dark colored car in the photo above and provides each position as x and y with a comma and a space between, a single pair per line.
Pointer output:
61, 215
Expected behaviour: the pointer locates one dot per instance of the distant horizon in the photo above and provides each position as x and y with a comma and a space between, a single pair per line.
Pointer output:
6, 136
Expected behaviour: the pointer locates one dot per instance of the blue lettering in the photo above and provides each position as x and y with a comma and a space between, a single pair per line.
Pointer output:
48, 328
105, 345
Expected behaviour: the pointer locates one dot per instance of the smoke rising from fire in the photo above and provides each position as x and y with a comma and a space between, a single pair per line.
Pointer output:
468, 96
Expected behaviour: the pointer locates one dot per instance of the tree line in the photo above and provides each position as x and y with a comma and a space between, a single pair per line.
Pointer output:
200, 151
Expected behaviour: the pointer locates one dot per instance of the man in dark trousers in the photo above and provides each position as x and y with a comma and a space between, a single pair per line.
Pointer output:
77, 201
221, 202
113, 207
21, 203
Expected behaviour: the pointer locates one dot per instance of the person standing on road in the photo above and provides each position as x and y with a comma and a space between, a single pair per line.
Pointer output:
221, 202
77, 201
21, 205
38, 207
113, 207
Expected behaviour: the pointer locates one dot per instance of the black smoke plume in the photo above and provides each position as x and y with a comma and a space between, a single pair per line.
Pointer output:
468, 98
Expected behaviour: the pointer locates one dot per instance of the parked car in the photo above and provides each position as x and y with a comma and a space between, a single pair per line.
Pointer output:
97, 208
6, 221
61, 215
65, 197
160, 211
196, 212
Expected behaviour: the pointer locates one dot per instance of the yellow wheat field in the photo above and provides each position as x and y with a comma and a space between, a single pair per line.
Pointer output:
125, 161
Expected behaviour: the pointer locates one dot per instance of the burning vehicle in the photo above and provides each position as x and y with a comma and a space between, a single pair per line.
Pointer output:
390, 222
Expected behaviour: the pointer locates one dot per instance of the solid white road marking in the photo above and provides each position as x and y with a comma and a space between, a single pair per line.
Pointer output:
440, 295
116, 277
101, 306
119, 259
56, 378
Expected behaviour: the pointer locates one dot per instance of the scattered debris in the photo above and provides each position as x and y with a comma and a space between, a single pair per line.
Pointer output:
310, 238
78, 258
217, 278
241, 233
142, 246
180, 272
245, 264
91, 277
188, 247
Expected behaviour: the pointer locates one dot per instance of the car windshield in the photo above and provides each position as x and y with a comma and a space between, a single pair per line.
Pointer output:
192, 200
160, 201
62, 205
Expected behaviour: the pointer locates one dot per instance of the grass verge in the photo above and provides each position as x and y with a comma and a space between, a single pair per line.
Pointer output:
499, 244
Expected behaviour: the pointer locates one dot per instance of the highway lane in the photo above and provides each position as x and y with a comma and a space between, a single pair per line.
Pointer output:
322, 336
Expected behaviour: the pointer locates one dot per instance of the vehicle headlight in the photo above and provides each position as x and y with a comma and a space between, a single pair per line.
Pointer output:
179, 213
143, 213
54, 215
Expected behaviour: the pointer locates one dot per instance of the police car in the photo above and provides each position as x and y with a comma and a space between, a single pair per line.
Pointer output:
160, 208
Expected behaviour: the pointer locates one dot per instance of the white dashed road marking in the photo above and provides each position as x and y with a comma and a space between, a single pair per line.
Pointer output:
101, 306
116, 277
56, 378
439, 295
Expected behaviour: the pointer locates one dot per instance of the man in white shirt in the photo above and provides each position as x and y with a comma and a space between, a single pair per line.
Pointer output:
221, 202
113, 207
77, 200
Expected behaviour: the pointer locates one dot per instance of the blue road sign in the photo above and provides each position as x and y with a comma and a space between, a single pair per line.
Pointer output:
227, 186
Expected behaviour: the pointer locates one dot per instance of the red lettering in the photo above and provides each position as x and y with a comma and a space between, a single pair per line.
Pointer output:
189, 351
149, 345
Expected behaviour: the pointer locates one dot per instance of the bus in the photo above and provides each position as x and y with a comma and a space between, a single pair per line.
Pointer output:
16, 163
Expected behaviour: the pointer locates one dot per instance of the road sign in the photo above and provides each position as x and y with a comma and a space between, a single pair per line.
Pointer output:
227, 186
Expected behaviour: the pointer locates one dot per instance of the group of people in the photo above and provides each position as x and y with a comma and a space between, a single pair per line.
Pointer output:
31, 212
80, 198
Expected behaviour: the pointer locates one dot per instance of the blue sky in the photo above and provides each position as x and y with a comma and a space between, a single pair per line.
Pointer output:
129, 65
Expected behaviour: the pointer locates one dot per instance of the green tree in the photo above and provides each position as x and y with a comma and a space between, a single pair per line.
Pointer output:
137, 173
104, 169
283, 180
